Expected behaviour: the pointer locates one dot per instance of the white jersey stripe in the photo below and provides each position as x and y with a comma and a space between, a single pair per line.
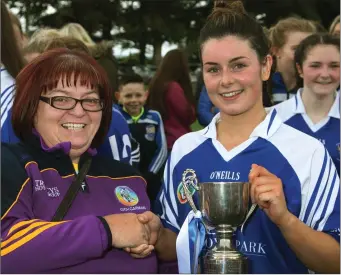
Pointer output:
331, 203
306, 209
322, 202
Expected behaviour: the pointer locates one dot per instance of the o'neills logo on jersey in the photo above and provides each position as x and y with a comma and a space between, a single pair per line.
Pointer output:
225, 175
181, 193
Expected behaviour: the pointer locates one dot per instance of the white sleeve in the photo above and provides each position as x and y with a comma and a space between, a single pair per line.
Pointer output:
168, 211
321, 199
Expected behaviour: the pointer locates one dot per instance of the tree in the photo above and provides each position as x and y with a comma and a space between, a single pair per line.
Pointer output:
31, 9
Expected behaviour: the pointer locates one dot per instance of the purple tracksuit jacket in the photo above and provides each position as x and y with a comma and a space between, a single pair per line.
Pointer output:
34, 180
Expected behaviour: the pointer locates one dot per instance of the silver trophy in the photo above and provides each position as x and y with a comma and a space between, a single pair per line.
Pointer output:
224, 205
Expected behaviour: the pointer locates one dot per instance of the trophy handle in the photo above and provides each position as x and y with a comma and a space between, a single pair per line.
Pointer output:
252, 209
190, 178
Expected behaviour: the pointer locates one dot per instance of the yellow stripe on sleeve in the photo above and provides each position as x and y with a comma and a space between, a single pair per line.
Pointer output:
20, 224
28, 238
22, 232
9, 209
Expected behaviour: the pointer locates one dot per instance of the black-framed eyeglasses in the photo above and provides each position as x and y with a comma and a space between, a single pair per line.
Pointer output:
68, 103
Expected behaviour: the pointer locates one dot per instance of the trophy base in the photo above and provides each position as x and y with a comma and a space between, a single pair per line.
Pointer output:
223, 262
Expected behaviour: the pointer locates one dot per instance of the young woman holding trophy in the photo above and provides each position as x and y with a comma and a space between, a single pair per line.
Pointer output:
288, 176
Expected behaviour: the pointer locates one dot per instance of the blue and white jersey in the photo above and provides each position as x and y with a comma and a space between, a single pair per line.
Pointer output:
327, 131
149, 132
7, 94
117, 144
6, 99
310, 182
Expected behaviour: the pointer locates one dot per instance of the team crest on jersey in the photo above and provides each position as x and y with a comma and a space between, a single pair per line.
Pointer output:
150, 132
126, 196
181, 193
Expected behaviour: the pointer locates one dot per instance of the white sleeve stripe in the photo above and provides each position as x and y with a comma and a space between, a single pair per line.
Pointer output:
4, 113
165, 175
8, 98
167, 213
305, 211
168, 178
329, 207
171, 194
323, 202
318, 198
6, 92
161, 198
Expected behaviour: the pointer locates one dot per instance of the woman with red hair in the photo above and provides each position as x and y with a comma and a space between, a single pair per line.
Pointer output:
64, 209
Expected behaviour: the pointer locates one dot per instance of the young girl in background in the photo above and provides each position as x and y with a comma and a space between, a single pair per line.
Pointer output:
315, 109
285, 37
170, 93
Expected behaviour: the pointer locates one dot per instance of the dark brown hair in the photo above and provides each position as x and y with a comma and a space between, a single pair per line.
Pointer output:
230, 18
11, 55
173, 68
44, 73
15, 21
130, 78
309, 43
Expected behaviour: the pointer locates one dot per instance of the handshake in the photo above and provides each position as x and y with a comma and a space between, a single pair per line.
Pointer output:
137, 234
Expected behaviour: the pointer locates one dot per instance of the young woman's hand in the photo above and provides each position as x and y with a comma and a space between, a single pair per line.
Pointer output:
267, 191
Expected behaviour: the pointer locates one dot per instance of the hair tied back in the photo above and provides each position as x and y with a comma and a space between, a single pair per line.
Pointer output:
235, 5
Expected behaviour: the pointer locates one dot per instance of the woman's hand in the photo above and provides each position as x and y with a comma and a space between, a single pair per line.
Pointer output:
142, 251
154, 227
267, 191
127, 230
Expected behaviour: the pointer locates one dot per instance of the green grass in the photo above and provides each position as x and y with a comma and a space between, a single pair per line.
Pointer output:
196, 126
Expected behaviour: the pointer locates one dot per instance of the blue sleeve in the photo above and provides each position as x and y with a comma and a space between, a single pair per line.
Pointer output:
205, 105
160, 155
117, 144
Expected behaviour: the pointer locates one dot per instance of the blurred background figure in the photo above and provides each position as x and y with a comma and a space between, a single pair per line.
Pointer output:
285, 37
12, 62
18, 32
67, 42
102, 52
206, 110
171, 94
146, 127
315, 109
38, 42
335, 26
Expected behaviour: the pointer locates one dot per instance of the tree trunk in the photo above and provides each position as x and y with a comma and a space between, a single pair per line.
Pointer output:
142, 54
107, 26
27, 19
157, 45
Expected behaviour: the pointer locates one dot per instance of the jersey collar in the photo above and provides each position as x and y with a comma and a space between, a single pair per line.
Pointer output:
265, 129
334, 110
